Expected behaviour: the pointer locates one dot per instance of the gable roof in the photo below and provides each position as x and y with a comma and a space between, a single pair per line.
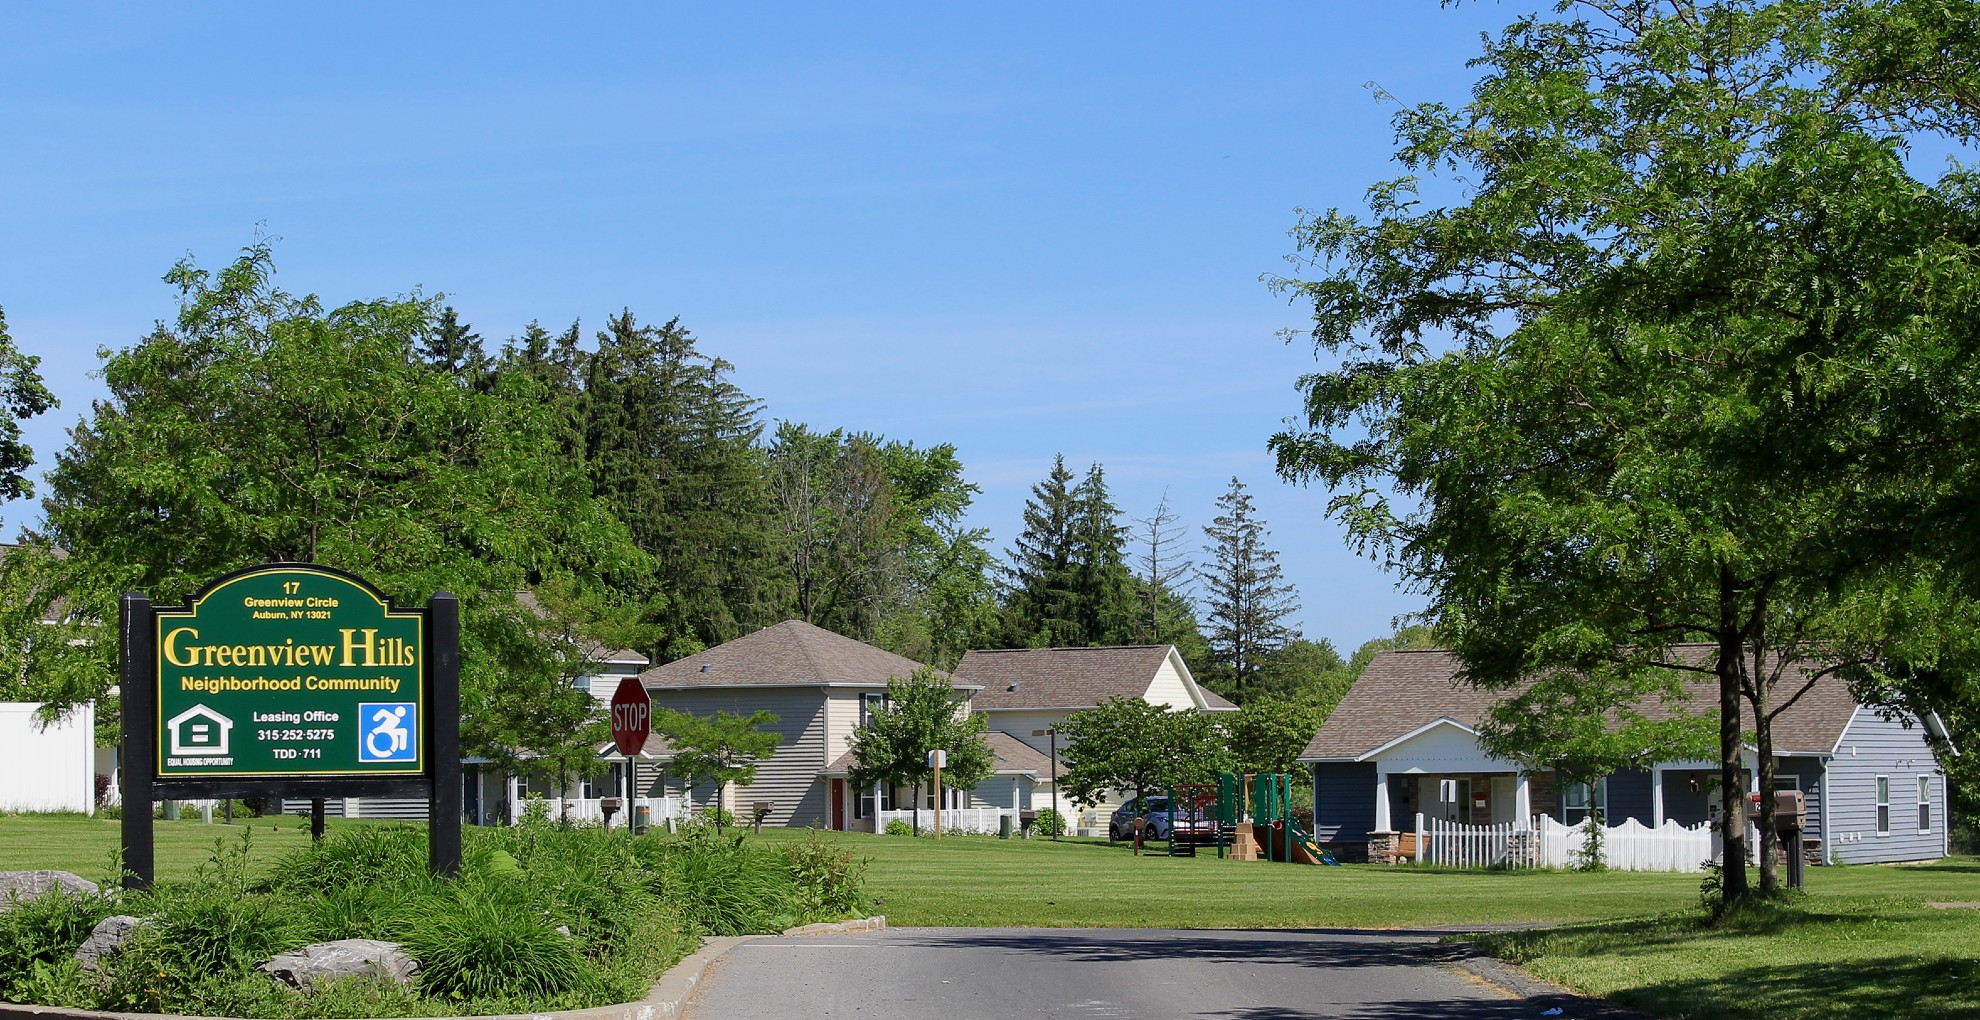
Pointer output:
791, 654
1405, 690
1065, 678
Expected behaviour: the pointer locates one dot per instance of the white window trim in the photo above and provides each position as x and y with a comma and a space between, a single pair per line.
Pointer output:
1883, 805
1925, 803
1597, 799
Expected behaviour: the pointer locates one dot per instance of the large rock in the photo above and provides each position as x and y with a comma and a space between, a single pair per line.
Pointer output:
107, 939
314, 965
17, 887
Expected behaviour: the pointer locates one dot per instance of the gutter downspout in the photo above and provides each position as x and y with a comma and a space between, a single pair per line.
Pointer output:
1828, 849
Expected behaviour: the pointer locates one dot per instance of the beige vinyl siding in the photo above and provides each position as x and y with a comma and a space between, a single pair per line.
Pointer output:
1167, 688
841, 719
789, 778
1020, 723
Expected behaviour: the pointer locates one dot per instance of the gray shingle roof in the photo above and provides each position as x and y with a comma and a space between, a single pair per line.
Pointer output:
1007, 753
792, 653
1050, 678
1402, 691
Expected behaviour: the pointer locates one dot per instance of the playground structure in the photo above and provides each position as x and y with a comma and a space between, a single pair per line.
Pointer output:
1247, 817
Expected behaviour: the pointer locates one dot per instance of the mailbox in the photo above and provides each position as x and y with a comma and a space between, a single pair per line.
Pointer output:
610, 805
1790, 810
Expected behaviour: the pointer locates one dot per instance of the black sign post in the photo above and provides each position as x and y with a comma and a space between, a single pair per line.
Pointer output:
291, 680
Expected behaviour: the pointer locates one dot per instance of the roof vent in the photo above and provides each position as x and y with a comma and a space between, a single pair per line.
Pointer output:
1012, 687
708, 667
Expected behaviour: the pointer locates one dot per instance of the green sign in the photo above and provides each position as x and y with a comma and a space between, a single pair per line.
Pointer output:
290, 671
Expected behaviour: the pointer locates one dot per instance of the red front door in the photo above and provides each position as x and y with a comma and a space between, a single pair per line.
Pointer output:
838, 804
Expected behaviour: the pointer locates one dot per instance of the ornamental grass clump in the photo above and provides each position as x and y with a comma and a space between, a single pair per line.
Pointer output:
477, 939
723, 884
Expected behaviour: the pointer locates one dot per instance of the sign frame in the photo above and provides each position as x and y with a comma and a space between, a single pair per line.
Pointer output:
439, 779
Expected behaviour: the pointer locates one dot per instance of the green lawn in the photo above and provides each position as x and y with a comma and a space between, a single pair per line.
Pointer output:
1829, 954
1862, 942
87, 846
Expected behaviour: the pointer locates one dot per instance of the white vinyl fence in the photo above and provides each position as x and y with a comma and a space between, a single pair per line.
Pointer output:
958, 820
587, 810
1546, 843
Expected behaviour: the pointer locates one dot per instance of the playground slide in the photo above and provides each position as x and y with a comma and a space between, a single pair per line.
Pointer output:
1306, 851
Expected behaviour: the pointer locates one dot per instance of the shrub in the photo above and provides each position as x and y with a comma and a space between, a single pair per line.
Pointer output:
899, 827
42, 933
1049, 823
718, 817
827, 878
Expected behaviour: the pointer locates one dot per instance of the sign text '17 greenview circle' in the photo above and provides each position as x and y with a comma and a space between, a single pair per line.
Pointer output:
290, 671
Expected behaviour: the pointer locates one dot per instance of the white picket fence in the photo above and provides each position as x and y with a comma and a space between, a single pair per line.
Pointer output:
1546, 843
957, 820
588, 810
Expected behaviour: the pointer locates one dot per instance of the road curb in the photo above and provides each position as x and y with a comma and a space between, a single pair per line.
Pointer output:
1516, 983
668, 994
837, 927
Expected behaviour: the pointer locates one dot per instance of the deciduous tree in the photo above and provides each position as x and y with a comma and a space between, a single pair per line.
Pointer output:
723, 748
22, 396
1129, 745
1642, 381
922, 713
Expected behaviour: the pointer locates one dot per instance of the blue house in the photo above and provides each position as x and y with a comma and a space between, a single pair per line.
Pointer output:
1404, 740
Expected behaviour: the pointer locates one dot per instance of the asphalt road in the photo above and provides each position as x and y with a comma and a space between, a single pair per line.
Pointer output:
1070, 974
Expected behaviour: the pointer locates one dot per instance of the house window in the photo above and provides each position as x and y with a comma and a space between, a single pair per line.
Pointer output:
1579, 799
525, 787
863, 804
587, 788
1883, 805
1924, 803
869, 704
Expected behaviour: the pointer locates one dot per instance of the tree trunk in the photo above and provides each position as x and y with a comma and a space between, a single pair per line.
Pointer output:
1732, 792
1763, 742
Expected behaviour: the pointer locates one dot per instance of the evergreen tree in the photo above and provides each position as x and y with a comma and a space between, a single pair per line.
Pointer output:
1042, 576
455, 349
1246, 596
672, 447
1107, 609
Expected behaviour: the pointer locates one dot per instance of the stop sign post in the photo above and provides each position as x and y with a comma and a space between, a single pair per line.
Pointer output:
632, 722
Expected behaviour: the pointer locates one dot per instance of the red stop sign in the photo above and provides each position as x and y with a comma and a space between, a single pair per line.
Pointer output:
632, 715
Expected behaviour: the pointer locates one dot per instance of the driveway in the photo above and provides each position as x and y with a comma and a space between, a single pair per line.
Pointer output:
1063, 974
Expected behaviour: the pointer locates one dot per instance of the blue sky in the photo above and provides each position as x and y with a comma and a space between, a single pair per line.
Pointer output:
1024, 230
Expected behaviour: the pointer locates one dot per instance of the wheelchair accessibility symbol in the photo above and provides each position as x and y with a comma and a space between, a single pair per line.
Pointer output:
385, 733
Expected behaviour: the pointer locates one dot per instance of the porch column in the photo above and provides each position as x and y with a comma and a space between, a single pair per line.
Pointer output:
1656, 796
1382, 802
1522, 802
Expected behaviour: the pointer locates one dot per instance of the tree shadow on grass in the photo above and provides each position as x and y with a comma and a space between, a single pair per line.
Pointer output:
1918, 989
1571, 1008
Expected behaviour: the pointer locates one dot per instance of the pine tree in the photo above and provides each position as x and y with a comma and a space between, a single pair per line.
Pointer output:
1247, 598
1069, 585
1163, 572
672, 446
1107, 609
1041, 611
454, 348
